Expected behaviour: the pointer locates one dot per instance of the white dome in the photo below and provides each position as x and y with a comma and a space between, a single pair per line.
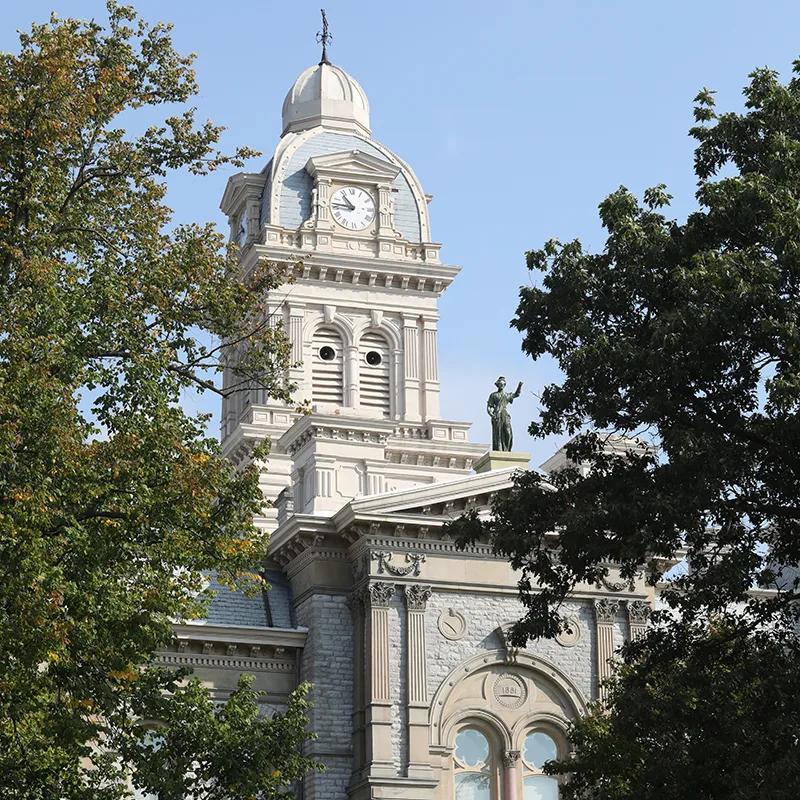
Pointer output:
326, 95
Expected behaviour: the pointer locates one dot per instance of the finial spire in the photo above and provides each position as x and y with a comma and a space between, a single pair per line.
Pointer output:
324, 38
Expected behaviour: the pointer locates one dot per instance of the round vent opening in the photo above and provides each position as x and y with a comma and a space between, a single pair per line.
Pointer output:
373, 358
328, 353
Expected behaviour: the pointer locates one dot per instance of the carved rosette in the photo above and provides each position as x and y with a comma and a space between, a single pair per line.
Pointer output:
510, 758
380, 594
605, 610
417, 596
638, 612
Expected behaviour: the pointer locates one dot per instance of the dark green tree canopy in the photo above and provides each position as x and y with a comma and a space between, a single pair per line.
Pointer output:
681, 340
112, 507
684, 336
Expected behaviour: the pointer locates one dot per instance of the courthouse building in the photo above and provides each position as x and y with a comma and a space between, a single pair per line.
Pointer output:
416, 693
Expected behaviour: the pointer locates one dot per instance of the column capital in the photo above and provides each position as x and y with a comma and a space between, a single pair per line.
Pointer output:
638, 611
605, 610
380, 594
417, 596
510, 758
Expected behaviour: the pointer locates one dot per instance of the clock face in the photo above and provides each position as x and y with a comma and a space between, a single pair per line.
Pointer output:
353, 208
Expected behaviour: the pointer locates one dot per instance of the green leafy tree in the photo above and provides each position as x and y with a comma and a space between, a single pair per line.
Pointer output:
114, 503
683, 338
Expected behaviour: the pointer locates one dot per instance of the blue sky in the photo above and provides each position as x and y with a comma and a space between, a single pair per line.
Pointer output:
519, 117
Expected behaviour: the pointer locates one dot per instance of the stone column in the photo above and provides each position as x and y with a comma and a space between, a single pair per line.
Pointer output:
377, 712
605, 611
638, 614
430, 371
411, 372
417, 597
510, 774
358, 601
350, 377
297, 370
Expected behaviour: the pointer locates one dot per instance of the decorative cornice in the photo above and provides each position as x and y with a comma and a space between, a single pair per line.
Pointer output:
417, 596
605, 610
243, 663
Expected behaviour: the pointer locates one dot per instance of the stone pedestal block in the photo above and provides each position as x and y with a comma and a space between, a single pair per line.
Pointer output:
499, 459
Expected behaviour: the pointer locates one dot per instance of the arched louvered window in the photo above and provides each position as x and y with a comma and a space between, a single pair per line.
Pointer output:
327, 368
374, 362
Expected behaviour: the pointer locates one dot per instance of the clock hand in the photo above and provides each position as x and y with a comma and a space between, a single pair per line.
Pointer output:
352, 207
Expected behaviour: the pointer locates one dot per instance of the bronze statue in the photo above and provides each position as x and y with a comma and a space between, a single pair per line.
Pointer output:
497, 408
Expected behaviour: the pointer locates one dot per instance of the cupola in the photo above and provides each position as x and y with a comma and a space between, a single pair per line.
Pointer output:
326, 95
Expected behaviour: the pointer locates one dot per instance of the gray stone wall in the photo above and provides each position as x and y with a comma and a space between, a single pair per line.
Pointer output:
327, 662
484, 614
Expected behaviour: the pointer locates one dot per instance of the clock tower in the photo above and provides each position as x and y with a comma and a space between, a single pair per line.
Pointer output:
349, 220
418, 693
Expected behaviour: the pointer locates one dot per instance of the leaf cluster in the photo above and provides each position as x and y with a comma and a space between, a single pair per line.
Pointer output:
114, 503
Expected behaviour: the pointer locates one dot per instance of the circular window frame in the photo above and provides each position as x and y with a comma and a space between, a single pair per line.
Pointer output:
370, 353
327, 347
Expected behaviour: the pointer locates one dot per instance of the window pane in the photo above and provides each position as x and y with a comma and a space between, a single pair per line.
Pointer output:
472, 786
541, 788
539, 747
472, 748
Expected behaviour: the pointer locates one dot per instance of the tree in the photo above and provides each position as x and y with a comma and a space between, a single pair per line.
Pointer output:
683, 338
714, 717
115, 502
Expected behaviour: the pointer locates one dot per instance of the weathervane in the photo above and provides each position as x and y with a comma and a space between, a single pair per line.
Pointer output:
324, 38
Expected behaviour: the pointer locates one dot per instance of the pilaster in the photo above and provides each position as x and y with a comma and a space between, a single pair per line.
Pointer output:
411, 373
638, 613
377, 717
605, 611
358, 605
417, 596
430, 369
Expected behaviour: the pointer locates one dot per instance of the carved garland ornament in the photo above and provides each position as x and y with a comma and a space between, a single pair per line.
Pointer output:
383, 557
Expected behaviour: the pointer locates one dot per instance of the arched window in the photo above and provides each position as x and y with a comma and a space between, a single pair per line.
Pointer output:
537, 749
473, 765
327, 369
373, 355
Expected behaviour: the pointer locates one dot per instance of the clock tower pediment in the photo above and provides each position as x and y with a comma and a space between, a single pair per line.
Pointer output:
352, 166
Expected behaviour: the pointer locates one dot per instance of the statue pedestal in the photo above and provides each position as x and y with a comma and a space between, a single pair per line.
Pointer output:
500, 459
